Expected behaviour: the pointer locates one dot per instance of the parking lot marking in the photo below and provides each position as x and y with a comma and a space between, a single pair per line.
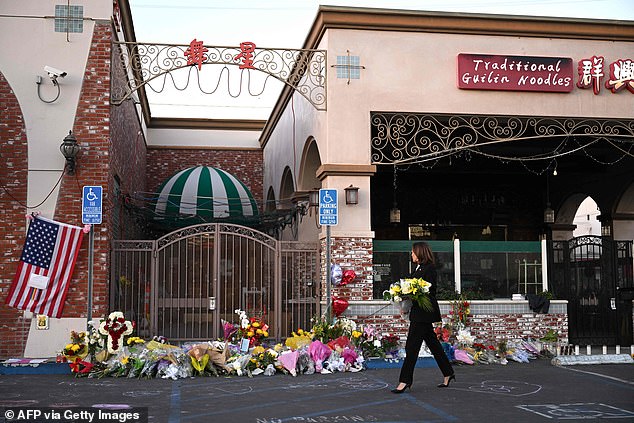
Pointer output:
578, 411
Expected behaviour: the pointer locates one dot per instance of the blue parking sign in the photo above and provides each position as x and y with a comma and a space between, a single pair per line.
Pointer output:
91, 204
328, 214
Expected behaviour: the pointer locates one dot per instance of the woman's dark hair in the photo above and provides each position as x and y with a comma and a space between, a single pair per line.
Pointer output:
423, 252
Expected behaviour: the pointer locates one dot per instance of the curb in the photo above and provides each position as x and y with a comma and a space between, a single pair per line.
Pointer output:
571, 360
34, 369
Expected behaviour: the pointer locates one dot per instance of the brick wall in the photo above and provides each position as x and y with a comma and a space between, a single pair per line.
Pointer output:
128, 158
487, 328
246, 165
13, 181
350, 254
92, 130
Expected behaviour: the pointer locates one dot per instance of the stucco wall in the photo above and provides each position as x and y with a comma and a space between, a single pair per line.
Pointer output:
416, 72
30, 22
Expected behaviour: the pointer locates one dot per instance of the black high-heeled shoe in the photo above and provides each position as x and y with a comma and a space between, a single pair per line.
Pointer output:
400, 391
442, 385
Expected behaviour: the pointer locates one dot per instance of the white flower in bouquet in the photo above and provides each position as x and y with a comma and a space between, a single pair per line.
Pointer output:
348, 325
464, 337
406, 286
244, 319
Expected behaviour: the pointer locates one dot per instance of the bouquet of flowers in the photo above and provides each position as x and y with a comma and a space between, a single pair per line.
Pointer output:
254, 329
390, 344
416, 289
459, 312
260, 360
77, 348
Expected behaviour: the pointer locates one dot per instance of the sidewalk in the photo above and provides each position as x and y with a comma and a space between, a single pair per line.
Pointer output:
535, 391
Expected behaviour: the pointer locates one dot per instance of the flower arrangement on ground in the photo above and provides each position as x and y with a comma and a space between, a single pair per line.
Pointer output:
390, 344
459, 312
254, 329
77, 348
442, 333
115, 327
416, 289
96, 341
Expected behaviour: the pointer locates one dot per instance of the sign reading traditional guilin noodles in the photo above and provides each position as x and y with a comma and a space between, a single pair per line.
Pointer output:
515, 73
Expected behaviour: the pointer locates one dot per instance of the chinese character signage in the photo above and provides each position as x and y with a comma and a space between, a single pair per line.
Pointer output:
590, 73
246, 55
515, 73
196, 53
621, 76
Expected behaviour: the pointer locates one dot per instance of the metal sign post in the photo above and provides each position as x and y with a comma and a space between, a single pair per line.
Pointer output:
328, 215
91, 214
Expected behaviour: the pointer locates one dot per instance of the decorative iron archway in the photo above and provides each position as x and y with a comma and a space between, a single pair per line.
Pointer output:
304, 70
184, 284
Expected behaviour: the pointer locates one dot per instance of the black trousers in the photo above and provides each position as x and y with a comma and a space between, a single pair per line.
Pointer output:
417, 333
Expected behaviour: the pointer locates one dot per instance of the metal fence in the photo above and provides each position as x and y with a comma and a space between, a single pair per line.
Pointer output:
185, 284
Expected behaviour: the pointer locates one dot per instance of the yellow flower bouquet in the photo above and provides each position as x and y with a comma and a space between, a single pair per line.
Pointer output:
77, 348
416, 289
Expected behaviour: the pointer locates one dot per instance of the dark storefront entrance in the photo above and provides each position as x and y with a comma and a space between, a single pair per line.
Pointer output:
595, 275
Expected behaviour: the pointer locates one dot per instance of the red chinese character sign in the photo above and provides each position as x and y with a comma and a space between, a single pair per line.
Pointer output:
621, 76
246, 54
196, 53
590, 73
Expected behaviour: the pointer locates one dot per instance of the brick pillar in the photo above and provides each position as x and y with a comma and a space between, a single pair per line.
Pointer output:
13, 182
354, 254
92, 130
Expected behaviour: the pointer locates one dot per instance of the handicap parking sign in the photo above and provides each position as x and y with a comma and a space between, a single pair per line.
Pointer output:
328, 214
91, 205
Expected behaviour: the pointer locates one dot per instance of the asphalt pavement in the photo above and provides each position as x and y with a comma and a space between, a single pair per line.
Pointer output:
533, 392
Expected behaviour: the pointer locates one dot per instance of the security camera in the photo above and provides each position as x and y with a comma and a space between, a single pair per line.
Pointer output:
54, 73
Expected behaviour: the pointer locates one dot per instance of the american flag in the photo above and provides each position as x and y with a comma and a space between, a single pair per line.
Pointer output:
41, 282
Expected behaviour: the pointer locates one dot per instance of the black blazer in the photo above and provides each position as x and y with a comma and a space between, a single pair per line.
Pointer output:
417, 314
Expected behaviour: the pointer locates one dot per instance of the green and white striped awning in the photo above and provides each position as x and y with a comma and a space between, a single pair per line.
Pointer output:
205, 192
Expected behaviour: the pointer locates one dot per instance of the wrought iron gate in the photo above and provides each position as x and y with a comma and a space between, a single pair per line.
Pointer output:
183, 285
588, 271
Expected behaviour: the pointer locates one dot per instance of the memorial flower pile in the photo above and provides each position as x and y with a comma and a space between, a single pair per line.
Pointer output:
340, 346
326, 348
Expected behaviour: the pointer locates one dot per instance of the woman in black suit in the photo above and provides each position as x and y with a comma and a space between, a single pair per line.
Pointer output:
420, 327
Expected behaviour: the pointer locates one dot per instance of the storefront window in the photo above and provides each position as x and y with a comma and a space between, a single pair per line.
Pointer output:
393, 261
488, 269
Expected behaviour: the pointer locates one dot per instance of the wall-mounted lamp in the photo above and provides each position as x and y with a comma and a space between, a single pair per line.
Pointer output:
549, 214
395, 214
313, 198
352, 195
69, 149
